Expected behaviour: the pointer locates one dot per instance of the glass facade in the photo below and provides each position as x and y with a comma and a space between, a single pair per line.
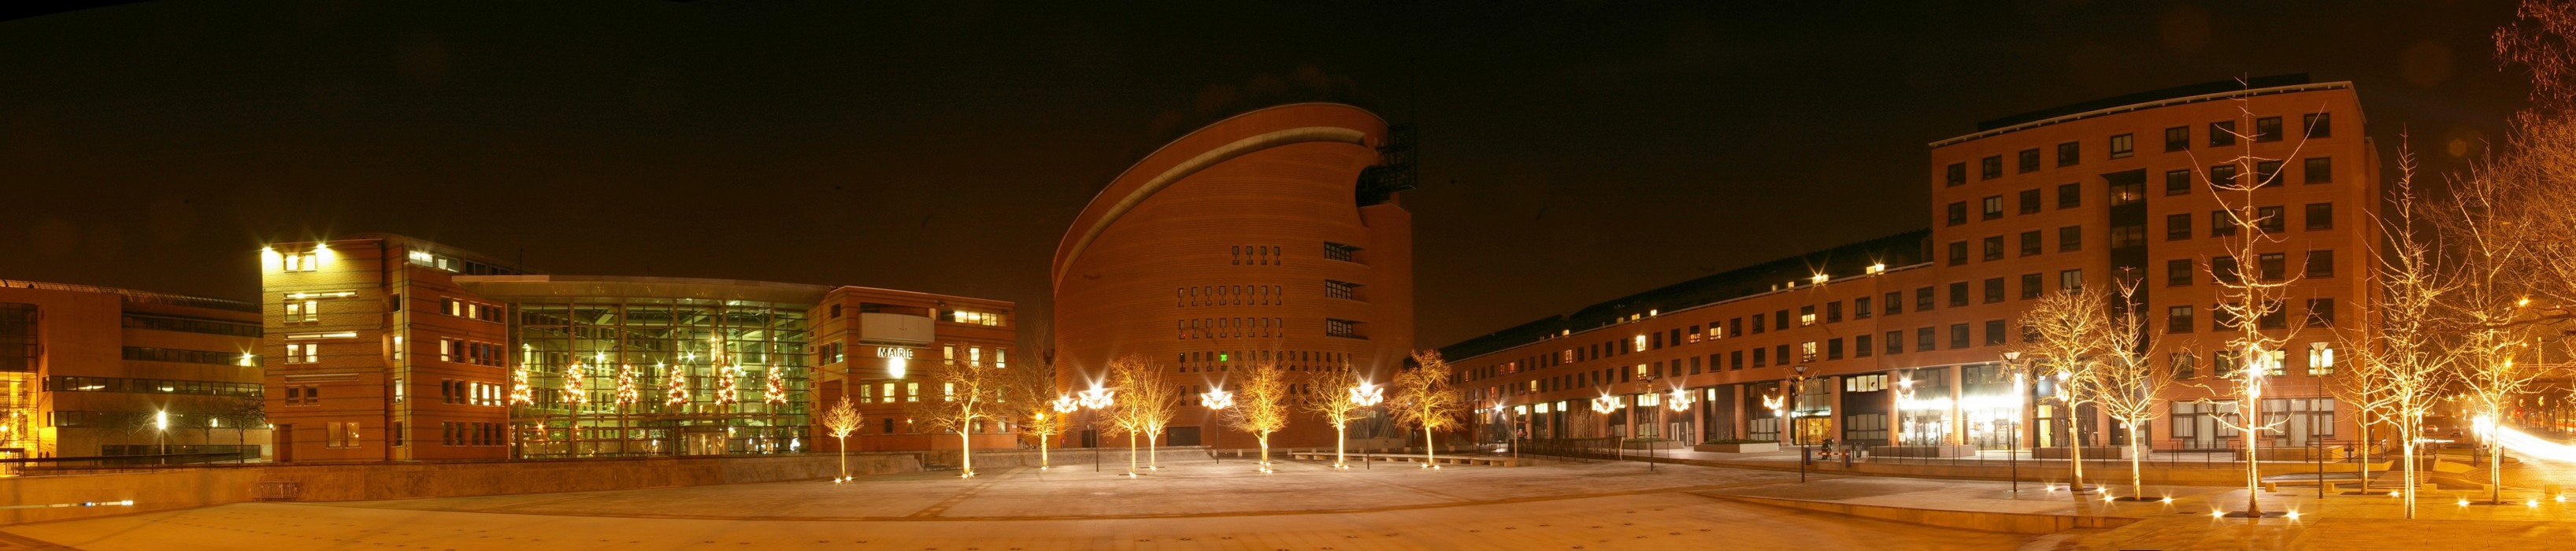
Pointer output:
613, 376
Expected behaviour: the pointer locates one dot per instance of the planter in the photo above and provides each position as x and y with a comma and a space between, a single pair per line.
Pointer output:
1754, 447
1945, 450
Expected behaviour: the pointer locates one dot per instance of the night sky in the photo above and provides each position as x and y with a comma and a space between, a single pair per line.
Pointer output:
1571, 152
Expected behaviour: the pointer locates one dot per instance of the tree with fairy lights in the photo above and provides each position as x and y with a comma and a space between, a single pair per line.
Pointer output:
1340, 396
2253, 280
1426, 399
576, 392
675, 389
843, 419
728, 385
773, 388
521, 393
1264, 406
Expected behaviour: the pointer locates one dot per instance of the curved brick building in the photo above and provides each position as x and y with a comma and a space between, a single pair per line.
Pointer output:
1272, 233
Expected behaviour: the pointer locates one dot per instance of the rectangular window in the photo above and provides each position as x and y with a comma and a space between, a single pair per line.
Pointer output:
2182, 365
1924, 340
2177, 226
2070, 238
1993, 248
2275, 317
1735, 360
1834, 311
2070, 153
2177, 182
2070, 280
1807, 352
1341, 252
2029, 160
2027, 201
2128, 236
2318, 125
2121, 146
1991, 207
1922, 299
2316, 170
1994, 332
1760, 356
1956, 174
2271, 266
2030, 286
2267, 129
1994, 289
1959, 294
2222, 364
2128, 193
2321, 312
1957, 213
2178, 319
2070, 196
1958, 335
2222, 269
2222, 133
2223, 177
1757, 323
1860, 308
1861, 346
2177, 139
2178, 272
1895, 342
1958, 253
2030, 243
2221, 224
2321, 263
1991, 167
2320, 216
2267, 174
1895, 302
1780, 318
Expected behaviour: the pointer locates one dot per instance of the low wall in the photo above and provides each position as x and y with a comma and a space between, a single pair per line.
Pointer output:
199, 486
1988, 521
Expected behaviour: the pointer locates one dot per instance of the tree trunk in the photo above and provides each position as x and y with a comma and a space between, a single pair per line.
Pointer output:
1153, 451
2253, 468
1265, 451
843, 449
1131, 454
2075, 447
1427, 446
966, 453
2408, 430
2137, 473
1042, 453
1341, 436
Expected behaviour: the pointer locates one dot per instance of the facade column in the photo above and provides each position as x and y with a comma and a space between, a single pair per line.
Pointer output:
1740, 419
1834, 408
1957, 377
1896, 413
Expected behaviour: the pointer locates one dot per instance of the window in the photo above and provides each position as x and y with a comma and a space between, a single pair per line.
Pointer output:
2222, 133
1834, 311
1994, 332
2070, 196
2267, 129
2222, 176
2222, 269
303, 261
1958, 335
300, 312
2267, 174
1807, 352
2030, 286
1992, 208
1860, 346
1780, 318
1895, 302
2318, 125
2274, 317
2070, 280
1958, 253
1994, 247
2178, 182
2028, 202
1924, 339
1957, 213
303, 353
1735, 360
2320, 263
2070, 238
2177, 139
2177, 226
2128, 193
1757, 323
1760, 356
1341, 252
2321, 312
2070, 153
2178, 319
1860, 308
2222, 364
2316, 170
2178, 272
1895, 342
1994, 289
2221, 224
1991, 167
2128, 236
1341, 290
1956, 174
2271, 266
2030, 242
1959, 294
2121, 146
2029, 159
1922, 299
2320, 216
1341, 328
2182, 365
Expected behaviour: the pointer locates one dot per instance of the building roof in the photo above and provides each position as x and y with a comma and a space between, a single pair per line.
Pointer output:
2195, 93
130, 295
1904, 249
583, 286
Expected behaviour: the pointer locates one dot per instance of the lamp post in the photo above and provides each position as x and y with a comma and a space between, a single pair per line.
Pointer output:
2012, 453
1368, 395
161, 433
1216, 401
1779, 406
1096, 399
1679, 400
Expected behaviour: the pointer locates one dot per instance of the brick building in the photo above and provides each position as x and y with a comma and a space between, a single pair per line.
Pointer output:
96, 371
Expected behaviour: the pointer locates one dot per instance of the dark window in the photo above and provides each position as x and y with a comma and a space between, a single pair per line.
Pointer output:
2178, 319
2070, 238
1735, 326
2275, 317
2221, 319
1757, 322
1860, 346
2122, 145
2321, 263
2128, 236
2070, 196
2177, 227
2271, 219
2029, 203
2177, 138
1994, 289
1896, 342
1994, 332
1760, 356
2320, 216
2030, 242
1957, 174
1923, 299
2267, 129
2122, 194
2222, 269
1992, 207
1860, 308
2321, 312
2070, 153
1833, 349
1959, 293
2222, 133
2271, 266
2267, 174
2316, 170
2178, 272
1781, 353
2030, 286
1958, 213
1994, 248
2221, 224
1735, 360
2222, 176
2318, 125
2028, 159
1924, 339
2070, 280
1991, 167
1780, 318
2177, 182
1958, 253
1959, 335
1834, 311
1895, 302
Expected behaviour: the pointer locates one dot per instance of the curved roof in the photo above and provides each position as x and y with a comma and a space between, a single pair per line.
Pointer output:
538, 286
1209, 146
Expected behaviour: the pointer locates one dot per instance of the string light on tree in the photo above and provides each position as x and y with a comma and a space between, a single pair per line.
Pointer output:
774, 388
520, 393
574, 391
729, 387
627, 394
675, 385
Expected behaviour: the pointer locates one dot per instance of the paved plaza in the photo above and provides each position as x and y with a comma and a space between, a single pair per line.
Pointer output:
1196, 504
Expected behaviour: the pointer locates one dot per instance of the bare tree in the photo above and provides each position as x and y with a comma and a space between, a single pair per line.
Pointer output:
2398, 367
1145, 407
2066, 331
1262, 404
2125, 382
2254, 303
2487, 311
1032, 399
1428, 400
843, 419
970, 393
1337, 396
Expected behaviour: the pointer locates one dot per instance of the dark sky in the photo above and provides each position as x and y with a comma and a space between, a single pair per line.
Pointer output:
1572, 152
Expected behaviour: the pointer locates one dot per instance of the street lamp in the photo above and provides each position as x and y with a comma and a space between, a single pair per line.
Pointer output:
1095, 399
2012, 453
1063, 405
1365, 395
1216, 401
161, 428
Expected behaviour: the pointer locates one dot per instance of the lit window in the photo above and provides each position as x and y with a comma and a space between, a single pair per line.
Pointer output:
912, 392
2321, 359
